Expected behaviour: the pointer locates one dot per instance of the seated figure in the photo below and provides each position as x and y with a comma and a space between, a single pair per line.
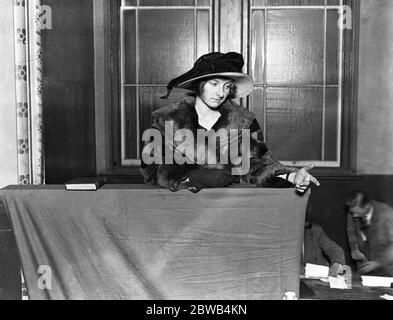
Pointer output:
319, 249
370, 234
192, 162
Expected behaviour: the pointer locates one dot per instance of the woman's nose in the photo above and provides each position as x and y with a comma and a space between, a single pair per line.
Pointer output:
220, 92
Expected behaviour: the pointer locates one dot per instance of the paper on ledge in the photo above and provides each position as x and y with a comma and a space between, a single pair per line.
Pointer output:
371, 281
338, 283
316, 271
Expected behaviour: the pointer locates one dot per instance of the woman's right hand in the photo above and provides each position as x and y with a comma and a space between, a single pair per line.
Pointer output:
205, 178
211, 178
302, 179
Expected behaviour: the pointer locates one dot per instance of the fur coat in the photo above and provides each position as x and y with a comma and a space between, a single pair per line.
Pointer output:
263, 168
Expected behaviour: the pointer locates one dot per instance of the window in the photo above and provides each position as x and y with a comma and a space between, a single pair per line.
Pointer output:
158, 39
296, 62
301, 62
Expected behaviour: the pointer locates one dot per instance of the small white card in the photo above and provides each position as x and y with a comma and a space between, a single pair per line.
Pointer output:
370, 281
316, 271
338, 283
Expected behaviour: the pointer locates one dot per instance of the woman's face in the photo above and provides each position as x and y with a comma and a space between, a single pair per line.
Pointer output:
216, 91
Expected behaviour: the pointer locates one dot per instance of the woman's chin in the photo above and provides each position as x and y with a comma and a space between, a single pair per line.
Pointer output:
214, 105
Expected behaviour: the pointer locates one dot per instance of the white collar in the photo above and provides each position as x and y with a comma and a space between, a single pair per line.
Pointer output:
369, 215
207, 118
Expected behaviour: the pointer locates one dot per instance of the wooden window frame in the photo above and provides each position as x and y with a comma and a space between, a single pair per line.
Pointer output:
109, 153
349, 98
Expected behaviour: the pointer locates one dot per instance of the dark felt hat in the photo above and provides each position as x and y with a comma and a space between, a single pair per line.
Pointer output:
228, 65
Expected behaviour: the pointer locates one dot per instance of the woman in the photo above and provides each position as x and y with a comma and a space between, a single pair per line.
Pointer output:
214, 81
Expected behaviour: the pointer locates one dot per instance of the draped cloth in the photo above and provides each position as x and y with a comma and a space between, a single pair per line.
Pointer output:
140, 242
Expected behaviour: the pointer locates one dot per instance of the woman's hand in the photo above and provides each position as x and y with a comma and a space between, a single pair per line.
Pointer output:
205, 178
302, 179
333, 270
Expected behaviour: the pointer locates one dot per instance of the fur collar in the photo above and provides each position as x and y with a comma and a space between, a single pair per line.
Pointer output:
184, 116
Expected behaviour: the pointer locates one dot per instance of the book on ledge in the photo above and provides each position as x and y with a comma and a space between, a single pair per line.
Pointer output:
85, 184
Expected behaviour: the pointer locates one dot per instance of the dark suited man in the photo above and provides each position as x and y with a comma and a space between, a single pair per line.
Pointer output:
370, 234
321, 250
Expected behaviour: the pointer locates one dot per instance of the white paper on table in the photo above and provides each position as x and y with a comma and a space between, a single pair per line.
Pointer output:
387, 297
371, 281
338, 283
316, 271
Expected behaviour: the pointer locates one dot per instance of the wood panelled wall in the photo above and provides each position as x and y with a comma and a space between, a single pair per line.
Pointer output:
68, 59
375, 111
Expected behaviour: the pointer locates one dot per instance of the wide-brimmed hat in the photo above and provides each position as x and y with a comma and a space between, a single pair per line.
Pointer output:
216, 64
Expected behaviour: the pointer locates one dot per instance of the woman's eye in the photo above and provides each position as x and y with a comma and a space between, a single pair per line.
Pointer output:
227, 87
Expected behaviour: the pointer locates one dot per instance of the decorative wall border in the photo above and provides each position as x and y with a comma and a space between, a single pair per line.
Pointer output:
28, 79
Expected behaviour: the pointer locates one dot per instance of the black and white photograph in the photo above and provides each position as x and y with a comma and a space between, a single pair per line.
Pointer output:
198, 156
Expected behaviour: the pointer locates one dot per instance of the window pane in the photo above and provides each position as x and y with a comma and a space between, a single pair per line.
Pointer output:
331, 116
332, 47
167, 2
203, 33
295, 46
166, 46
257, 105
204, 3
130, 123
333, 2
294, 123
129, 3
295, 2
149, 101
258, 46
129, 47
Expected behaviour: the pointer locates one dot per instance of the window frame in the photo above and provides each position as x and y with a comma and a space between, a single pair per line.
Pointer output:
138, 9
110, 165
349, 98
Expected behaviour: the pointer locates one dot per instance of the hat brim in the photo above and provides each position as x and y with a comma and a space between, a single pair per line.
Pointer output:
244, 83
